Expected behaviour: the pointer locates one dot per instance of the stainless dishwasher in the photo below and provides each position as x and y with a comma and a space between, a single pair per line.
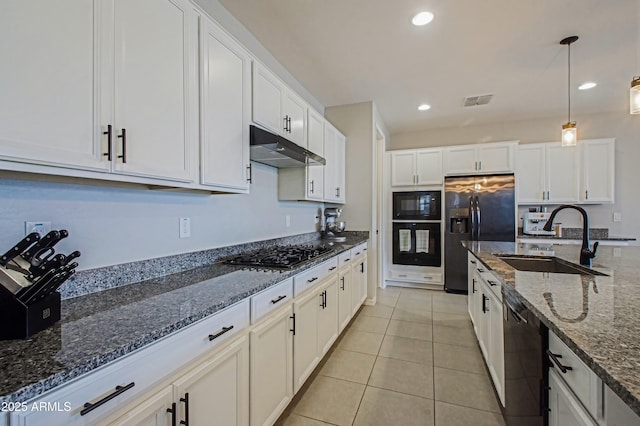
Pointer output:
525, 342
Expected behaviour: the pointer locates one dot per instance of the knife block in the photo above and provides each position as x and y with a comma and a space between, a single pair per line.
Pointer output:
20, 321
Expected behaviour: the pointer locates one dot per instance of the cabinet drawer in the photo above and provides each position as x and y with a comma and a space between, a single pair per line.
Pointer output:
492, 282
359, 250
344, 258
270, 299
312, 276
413, 276
580, 379
143, 369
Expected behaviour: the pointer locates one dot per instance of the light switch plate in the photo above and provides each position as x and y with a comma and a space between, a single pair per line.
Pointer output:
41, 227
617, 217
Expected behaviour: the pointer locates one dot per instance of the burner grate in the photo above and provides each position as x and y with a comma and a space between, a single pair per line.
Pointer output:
283, 257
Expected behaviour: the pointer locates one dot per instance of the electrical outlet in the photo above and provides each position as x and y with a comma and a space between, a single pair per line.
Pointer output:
617, 217
41, 227
185, 227
287, 220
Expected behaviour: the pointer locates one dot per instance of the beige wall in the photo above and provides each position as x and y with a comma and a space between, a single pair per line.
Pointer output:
621, 126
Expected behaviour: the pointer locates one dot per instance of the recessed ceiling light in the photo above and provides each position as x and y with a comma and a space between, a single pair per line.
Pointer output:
422, 18
586, 86
424, 107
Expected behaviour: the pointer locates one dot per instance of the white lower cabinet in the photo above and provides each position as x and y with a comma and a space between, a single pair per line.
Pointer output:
271, 367
358, 278
328, 315
153, 411
564, 407
344, 297
305, 338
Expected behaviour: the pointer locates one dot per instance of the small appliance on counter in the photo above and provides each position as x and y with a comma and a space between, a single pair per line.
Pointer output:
30, 275
533, 222
333, 228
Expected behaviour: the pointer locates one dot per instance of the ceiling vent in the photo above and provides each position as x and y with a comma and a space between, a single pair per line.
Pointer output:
477, 100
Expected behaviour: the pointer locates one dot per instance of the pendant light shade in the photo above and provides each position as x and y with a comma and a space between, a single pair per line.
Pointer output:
569, 134
569, 129
634, 96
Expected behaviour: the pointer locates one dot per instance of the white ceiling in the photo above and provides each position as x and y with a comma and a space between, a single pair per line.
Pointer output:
347, 51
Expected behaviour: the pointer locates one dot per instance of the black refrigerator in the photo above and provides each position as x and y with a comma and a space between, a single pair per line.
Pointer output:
477, 208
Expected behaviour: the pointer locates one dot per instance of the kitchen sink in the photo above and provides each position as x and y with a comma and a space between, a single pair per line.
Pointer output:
545, 264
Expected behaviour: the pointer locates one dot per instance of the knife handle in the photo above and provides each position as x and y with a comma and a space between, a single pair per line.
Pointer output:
71, 256
43, 243
53, 263
21, 246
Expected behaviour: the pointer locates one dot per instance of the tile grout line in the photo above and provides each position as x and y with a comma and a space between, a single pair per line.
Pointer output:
433, 366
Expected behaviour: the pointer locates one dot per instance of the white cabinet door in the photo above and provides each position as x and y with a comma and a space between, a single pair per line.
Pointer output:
563, 174
429, 167
483, 318
315, 143
226, 103
598, 173
472, 289
150, 412
496, 158
334, 170
460, 160
268, 99
328, 316
496, 345
305, 338
616, 412
271, 367
531, 173
564, 408
218, 388
340, 172
344, 297
359, 282
153, 87
48, 109
403, 168
295, 113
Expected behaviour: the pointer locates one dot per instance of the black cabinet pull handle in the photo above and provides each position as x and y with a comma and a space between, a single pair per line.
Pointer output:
123, 136
362, 267
220, 333
347, 259
332, 268
473, 261
285, 123
289, 123
293, 330
185, 422
473, 285
276, 300
484, 304
250, 178
312, 279
492, 283
90, 406
322, 300
480, 270
173, 411
556, 361
342, 286
311, 184
109, 133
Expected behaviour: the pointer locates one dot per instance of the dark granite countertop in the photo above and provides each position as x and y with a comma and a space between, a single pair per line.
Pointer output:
571, 237
596, 316
98, 328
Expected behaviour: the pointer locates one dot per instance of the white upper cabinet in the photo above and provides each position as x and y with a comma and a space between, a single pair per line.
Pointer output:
598, 171
315, 139
226, 107
334, 170
531, 179
483, 158
147, 90
416, 167
48, 111
278, 108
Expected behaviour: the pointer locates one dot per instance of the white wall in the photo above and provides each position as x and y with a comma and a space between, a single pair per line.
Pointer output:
117, 224
621, 126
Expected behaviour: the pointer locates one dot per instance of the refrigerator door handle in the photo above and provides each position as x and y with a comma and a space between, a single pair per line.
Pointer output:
472, 215
477, 218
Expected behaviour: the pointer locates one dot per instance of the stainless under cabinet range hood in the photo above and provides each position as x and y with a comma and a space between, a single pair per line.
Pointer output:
276, 151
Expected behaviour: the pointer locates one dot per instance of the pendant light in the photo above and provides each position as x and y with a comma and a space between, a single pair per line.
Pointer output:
569, 129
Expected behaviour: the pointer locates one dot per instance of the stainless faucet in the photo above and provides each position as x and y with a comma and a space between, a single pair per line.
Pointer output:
586, 254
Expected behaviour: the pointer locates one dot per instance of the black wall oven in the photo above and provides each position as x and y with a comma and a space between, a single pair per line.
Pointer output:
416, 243
417, 205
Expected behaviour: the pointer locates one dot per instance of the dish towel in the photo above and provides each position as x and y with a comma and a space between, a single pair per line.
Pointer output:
422, 241
405, 240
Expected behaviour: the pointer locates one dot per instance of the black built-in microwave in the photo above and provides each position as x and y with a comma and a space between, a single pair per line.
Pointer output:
417, 205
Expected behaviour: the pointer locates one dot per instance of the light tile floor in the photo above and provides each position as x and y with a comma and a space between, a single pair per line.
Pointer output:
412, 359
